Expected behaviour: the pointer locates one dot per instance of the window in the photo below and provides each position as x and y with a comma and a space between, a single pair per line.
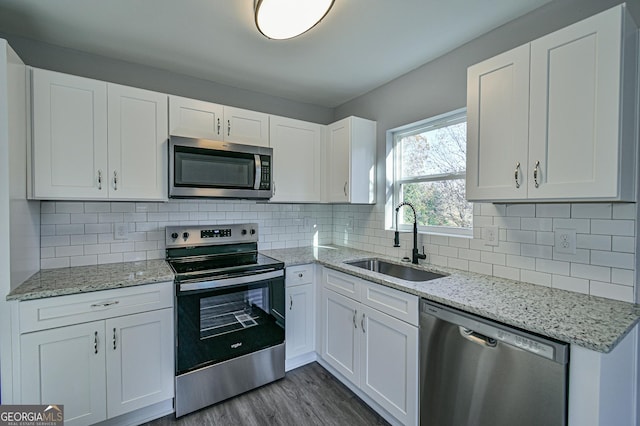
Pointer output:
429, 172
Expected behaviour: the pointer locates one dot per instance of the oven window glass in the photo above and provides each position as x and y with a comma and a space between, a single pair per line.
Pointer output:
232, 312
220, 324
209, 168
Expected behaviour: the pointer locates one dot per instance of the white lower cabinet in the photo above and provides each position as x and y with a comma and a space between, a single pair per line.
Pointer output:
300, 316
375, 351
105, 368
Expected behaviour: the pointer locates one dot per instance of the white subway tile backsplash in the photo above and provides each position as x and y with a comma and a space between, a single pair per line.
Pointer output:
611, 291
624, 244
82, 233
613, 227
613, 259
553, 210
591, 211
535, 277
591, 272
552, 266
622, 276
578, 285
594, 242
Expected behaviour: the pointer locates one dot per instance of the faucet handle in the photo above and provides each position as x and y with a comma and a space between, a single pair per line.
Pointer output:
422, 255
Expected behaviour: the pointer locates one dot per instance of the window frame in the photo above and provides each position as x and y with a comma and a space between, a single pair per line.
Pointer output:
432, 123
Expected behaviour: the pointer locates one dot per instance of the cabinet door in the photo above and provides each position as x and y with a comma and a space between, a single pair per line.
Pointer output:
575, 110
498, 127
296, 156
69, 153
338, 161
341, 334
246, 127
139, 360
300, 336
137, 144
66, 366
195, 119
389, 363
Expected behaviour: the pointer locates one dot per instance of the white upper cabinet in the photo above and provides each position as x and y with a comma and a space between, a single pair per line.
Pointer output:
195, 119
297, 160
246, 127
205, 120
97, 140
498, 126
137, 129
351, 161
581, 116
69, 149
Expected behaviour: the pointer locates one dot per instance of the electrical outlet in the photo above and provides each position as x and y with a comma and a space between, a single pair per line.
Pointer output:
490, 235
121, 231
565, 241
350, 220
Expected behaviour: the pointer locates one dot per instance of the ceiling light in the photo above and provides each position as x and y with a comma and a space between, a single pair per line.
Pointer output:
283, 19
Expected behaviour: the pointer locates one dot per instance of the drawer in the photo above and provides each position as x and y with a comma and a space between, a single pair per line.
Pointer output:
59, 311
342, 283
297, 275
396, 303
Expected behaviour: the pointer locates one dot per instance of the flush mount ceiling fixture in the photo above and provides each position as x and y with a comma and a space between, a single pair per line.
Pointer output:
283, 19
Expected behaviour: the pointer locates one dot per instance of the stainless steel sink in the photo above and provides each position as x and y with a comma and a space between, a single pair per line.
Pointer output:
404, 272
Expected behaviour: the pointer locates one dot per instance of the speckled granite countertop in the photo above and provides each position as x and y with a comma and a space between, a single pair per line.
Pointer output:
82, 279
592, 322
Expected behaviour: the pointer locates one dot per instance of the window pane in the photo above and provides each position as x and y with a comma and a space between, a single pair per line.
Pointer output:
439, 203
437, 151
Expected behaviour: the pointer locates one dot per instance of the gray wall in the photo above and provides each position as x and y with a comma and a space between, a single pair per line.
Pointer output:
42, 55
441, 85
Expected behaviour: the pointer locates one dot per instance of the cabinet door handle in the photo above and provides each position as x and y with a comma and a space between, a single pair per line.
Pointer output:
105, 304
290, 302
115, 180
228, 127
362, 324
345, 189
100, 180
517, 174
274, 188
95, 343
218, 129
114, 339
355, 314
535, 174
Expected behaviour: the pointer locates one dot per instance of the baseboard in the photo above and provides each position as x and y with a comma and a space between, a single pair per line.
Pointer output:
299, 361
142, 415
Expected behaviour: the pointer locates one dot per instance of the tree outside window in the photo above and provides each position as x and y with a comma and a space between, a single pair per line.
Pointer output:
430, 169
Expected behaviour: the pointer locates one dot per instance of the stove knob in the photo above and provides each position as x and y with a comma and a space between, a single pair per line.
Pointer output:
244, 232
253, 231
185, 235
174, 235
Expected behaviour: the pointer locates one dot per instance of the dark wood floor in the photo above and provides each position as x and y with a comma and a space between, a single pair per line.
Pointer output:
308, 395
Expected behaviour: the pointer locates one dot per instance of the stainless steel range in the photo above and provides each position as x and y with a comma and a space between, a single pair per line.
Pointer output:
229, 313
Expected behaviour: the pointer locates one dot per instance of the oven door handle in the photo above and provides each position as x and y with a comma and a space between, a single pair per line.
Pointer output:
255, 276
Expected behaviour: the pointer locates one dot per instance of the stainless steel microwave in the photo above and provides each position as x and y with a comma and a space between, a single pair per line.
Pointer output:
216, 169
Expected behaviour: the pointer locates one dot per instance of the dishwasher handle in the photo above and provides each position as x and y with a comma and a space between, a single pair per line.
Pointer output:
477, 337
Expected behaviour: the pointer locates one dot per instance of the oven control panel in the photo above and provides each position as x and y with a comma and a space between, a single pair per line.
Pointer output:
206, 235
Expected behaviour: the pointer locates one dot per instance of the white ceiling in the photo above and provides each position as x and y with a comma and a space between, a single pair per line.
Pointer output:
360, 45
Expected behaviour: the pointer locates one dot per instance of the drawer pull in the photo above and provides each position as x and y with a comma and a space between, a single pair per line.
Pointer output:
105, 304
300, 275
95, 343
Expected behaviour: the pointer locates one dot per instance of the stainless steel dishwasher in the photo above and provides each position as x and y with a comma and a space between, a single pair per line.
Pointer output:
474, 371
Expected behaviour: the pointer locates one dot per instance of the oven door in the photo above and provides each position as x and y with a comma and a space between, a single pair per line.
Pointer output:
227, 321
203, 168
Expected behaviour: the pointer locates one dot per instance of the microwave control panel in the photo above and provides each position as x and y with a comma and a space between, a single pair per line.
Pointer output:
265, 179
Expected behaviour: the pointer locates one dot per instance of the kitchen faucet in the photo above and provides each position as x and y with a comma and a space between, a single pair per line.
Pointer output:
415, 255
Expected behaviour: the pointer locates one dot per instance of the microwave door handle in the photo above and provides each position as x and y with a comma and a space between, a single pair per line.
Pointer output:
256, 183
